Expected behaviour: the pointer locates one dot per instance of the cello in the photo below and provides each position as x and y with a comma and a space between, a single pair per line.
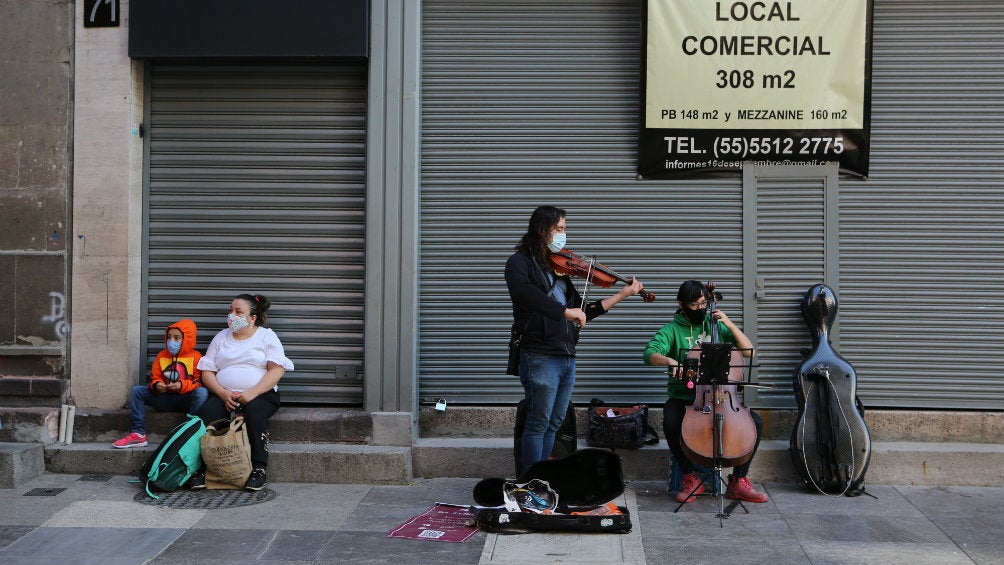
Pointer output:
718, 430
830, 445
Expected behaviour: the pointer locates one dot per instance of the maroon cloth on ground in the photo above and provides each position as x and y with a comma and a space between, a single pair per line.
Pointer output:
442, 522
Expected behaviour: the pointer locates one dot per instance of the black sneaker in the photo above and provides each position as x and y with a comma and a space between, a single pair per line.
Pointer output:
256, 481
197, 481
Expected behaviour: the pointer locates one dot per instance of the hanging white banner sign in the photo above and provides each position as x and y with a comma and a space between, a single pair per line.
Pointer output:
780, 83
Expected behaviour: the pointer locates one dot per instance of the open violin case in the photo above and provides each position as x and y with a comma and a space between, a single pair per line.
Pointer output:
585, 482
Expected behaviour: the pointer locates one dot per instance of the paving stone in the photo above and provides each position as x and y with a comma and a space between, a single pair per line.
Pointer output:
9, 534
985, 553
208, 544
370, 548
86, 513
295, 545
694, 550
857, 553
866, 528
88, 546
297, 506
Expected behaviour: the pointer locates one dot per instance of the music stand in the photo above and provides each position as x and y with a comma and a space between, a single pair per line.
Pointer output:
714, 369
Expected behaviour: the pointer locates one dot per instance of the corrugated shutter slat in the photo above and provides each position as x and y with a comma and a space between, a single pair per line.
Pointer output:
257, 184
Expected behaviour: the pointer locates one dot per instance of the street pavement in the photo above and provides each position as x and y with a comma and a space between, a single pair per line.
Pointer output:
60, 519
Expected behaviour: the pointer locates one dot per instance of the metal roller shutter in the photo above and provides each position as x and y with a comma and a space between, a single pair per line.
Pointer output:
922, 241
256, 183
527, 103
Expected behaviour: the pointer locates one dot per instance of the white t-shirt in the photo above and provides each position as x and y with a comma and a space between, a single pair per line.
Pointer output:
241, 364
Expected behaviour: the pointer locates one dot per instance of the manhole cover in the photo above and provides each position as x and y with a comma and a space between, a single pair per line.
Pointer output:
206, 499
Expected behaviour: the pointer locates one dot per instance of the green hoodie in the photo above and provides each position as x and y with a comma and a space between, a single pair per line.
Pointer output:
678, 337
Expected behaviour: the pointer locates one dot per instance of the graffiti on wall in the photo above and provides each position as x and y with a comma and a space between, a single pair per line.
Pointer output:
57, 314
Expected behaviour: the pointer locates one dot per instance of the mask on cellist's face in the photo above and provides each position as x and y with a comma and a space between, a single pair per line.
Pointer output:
695, 316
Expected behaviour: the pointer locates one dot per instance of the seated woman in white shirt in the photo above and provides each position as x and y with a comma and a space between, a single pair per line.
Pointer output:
241, 369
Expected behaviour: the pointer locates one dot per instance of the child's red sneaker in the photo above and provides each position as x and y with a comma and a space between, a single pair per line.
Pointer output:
132, 440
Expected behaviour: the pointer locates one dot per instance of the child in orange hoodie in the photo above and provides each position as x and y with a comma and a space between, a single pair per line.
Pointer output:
175, 383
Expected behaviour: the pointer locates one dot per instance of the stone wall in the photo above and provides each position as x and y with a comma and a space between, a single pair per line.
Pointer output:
36, 112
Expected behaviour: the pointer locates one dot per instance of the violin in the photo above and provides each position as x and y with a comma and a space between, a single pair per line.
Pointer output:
718, 430
565, 262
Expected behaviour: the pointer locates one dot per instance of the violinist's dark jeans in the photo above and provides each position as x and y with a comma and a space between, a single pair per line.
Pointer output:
547, 381
672, 422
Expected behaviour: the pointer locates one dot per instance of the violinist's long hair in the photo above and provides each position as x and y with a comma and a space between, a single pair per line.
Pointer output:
538, 233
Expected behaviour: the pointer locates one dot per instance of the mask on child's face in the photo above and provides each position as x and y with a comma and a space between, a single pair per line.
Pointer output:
237, 323
174, 347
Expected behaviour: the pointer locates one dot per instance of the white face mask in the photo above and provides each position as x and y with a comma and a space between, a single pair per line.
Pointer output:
237, 323
558, 241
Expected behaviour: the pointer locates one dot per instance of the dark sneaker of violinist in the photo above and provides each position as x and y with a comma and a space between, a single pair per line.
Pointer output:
696, 321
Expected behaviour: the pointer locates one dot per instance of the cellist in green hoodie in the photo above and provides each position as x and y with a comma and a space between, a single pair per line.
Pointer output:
690, 327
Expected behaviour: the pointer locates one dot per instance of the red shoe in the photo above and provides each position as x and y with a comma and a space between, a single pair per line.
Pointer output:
690, 487
132, 440
741, 489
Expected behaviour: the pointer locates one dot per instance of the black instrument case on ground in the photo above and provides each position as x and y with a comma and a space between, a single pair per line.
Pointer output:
585, 480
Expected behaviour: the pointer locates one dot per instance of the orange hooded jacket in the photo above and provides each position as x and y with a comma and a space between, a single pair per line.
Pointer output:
182, 367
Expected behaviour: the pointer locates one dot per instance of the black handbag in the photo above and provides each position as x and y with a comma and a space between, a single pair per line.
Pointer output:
619, 427
513, 367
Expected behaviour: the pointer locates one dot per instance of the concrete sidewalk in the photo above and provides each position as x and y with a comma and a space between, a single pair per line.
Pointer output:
96, 520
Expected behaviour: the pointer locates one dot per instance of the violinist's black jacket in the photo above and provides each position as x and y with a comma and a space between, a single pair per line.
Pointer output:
537, 314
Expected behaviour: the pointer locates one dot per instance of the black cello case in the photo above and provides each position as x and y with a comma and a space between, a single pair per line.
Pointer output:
830, 445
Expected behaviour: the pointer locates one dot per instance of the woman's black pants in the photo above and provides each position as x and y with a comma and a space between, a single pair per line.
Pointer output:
256, 415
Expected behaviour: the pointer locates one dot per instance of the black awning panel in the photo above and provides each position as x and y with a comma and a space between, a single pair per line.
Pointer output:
161, 29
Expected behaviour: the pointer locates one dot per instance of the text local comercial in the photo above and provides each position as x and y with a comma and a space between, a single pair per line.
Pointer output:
754, 45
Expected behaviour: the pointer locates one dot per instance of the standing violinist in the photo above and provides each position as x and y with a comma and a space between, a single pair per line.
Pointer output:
549, 314
690, 327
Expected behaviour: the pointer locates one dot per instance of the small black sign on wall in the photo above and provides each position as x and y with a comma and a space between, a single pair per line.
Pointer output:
101, 13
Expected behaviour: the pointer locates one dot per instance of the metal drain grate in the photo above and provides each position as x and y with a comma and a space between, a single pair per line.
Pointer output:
44, 491
206, 499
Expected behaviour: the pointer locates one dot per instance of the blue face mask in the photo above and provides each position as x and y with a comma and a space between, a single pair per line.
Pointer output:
173, 347
558, 242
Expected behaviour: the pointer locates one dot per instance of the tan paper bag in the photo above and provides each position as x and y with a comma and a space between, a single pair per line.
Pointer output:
227, 454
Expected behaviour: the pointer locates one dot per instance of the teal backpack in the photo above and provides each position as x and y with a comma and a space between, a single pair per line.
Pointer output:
176, 459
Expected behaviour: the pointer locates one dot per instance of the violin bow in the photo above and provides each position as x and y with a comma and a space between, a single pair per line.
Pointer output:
585, 283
